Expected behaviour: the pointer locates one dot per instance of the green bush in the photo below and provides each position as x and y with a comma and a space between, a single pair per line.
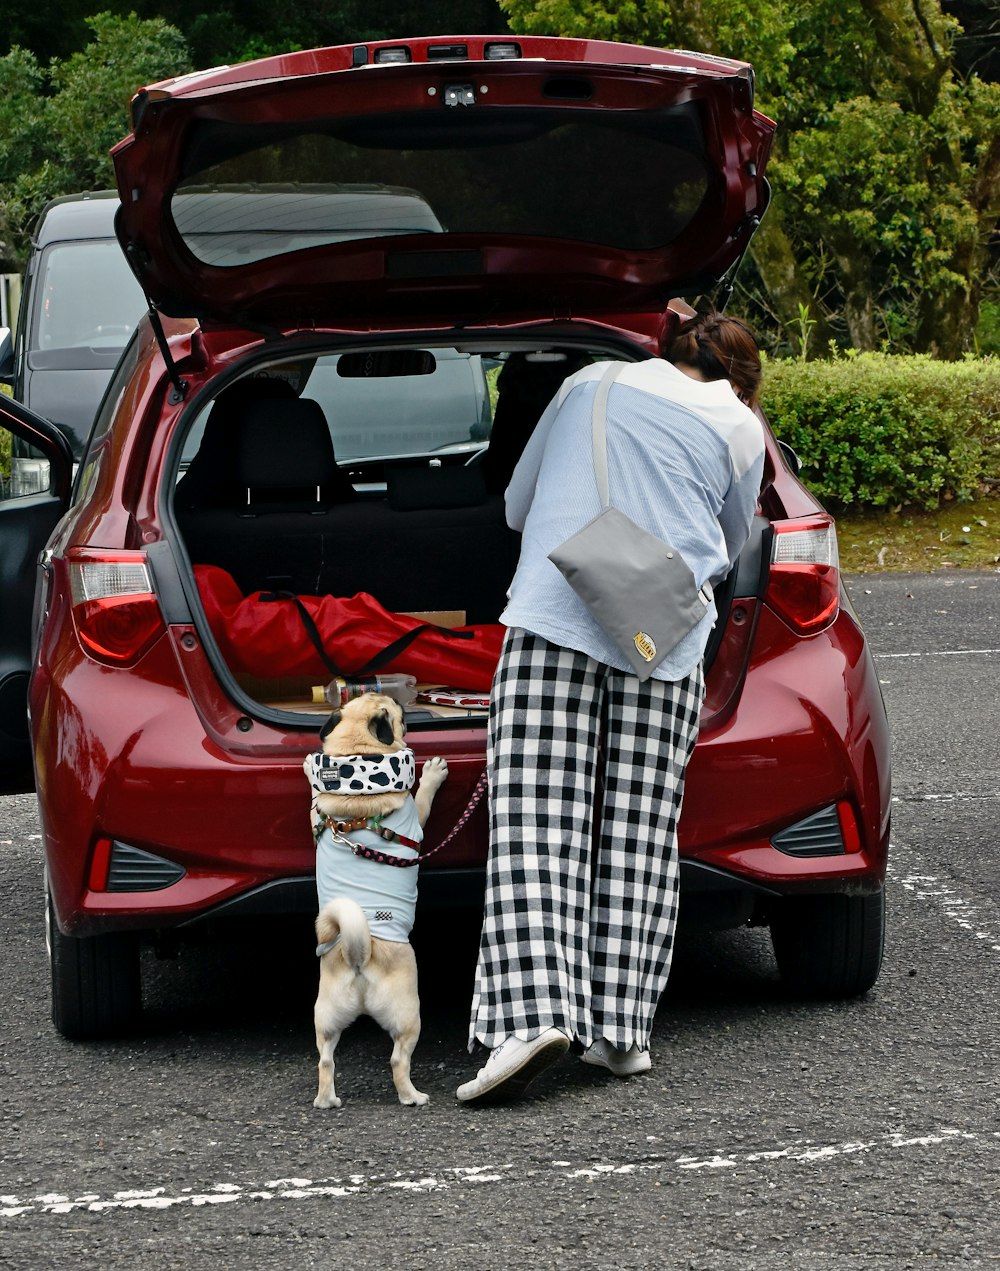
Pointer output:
878, 430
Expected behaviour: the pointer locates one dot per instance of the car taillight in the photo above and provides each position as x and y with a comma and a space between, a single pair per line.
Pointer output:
804, 581
115, 610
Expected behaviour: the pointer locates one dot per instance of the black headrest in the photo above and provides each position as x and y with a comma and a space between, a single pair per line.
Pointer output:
210, 480
525, 387
285, 445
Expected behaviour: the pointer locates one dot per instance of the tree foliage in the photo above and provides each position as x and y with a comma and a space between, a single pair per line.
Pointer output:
882, 232
67, 77
887, 166
58, 123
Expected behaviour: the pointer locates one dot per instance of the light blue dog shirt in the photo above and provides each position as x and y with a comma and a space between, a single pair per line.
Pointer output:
387, 894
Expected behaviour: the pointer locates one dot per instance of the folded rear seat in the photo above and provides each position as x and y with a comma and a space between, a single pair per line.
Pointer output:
437, 541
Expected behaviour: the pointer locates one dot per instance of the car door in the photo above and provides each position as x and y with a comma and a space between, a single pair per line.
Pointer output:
26, 523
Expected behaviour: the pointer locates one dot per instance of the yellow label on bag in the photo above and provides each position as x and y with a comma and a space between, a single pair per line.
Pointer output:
645, 645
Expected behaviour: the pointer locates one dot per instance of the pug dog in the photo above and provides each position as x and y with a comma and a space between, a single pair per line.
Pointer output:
363, 817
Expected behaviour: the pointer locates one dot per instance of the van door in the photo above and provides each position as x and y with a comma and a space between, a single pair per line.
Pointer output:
26, 524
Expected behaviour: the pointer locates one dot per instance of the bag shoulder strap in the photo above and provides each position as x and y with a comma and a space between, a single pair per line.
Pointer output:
599, 430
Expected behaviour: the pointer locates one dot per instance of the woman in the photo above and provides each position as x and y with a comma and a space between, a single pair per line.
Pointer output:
581, 899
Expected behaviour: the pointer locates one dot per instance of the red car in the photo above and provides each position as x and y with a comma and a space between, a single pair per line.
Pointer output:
395, 252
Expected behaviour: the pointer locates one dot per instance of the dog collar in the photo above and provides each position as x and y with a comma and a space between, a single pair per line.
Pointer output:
371, 823
361, 774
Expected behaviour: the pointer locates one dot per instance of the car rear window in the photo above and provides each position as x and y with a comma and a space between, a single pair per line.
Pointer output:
520, 172
379, 407
235, 225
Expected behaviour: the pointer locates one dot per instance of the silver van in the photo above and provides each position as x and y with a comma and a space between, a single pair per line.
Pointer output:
80, 304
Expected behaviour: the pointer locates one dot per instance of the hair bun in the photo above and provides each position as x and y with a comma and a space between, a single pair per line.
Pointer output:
720, 347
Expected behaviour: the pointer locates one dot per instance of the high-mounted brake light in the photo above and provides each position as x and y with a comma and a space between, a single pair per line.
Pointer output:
447, 52
804, 580
115, 610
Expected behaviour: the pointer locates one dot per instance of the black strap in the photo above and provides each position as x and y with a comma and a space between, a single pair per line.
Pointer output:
374, 663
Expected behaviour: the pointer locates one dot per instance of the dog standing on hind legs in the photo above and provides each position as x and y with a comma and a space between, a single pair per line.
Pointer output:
364, 817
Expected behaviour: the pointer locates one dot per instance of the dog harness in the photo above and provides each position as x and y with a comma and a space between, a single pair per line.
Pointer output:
388, 897
372, 823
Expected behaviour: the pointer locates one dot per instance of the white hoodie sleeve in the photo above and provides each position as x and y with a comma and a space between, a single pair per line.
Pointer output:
737, 511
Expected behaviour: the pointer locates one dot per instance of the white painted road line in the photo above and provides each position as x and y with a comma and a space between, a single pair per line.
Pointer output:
804, 1152
977, 916
939, 653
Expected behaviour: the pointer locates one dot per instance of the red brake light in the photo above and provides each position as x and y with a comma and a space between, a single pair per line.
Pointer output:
115, 610
804, 581
99, 864
849, 827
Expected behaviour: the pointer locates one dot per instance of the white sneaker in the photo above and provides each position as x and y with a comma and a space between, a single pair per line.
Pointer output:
623, 1063
512, 1065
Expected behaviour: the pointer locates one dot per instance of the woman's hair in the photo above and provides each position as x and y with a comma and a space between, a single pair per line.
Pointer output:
720, 348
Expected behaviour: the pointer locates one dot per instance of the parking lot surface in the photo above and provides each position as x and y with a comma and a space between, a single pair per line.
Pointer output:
771, 1133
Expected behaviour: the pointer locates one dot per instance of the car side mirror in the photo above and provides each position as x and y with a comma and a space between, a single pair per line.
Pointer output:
6, 356
791, 458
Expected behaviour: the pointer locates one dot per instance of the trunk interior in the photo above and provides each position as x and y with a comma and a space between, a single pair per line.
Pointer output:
331, 503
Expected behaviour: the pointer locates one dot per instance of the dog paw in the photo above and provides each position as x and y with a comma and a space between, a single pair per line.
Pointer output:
319, 1102
434, 771
415, 1099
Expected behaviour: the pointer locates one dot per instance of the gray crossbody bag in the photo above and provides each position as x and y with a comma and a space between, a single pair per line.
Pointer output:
638, 587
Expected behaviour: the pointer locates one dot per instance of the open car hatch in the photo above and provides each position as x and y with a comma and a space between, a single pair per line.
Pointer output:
438, 180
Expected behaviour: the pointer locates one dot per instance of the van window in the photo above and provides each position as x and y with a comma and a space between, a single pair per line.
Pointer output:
399, 416
87, 304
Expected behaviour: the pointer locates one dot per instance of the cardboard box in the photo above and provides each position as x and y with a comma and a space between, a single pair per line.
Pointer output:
440, 617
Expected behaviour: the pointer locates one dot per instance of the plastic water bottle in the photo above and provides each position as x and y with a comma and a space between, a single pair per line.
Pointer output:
340, 690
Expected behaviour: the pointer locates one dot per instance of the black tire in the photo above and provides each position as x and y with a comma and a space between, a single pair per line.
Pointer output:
96, 988
829, 946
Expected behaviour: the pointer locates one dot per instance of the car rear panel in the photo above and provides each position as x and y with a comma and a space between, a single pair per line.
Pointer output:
168, 758
800, 739
134, 760
159, 758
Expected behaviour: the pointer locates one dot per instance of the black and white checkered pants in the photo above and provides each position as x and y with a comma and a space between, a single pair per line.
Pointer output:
581, 897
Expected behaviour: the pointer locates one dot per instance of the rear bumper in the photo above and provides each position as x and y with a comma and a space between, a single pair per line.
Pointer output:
809, 732
439, 889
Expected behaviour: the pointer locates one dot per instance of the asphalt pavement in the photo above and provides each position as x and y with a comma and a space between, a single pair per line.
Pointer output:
771, 1133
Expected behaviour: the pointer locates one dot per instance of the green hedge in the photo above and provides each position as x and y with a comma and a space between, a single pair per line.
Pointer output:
878, 430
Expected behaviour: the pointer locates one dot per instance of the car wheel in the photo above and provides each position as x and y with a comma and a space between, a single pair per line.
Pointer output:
96, 990
829, 946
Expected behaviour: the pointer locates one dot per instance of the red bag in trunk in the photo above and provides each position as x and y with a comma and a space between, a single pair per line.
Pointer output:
269, 638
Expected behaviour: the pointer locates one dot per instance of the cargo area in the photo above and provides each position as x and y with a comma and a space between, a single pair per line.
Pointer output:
364, 491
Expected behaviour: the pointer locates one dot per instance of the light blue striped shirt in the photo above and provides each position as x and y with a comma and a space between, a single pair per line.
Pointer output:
685, 460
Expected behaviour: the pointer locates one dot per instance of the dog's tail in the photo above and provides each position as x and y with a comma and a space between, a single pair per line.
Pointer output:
345, 919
